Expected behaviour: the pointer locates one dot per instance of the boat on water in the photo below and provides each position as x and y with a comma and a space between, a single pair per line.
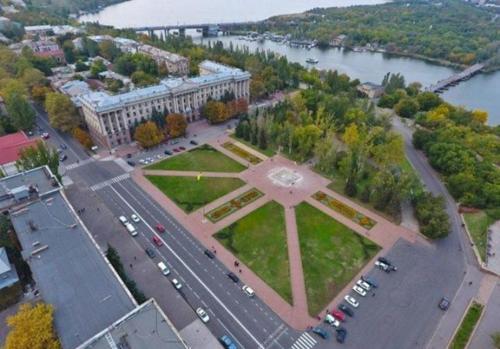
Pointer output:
312, 61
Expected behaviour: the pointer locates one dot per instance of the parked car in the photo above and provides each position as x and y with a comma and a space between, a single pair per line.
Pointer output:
182, 148
227, 342
233, 276
209, 254
383, 266
135, 218
63, 157
321, 332
160, 228
363, 284
338, 315
444, 303
176, 150
384, 260
177, 284
157, 241
346, 310
351, 300
131, 163
45, 135
248, 291
129, 156
329, 319
359, 290
341, 334
167, 152
123, 220
150, 252
64, 146
368, 279
193, 142
202, 315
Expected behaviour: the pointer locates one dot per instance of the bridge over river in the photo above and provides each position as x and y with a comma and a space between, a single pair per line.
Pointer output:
442, 85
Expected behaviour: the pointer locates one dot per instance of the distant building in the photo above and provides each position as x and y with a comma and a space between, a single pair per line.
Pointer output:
10, 149
126, 45
338, 40
100, 38
38, 30
75, 89
109, 118
145, 327
370, 89
176, 64
8, 274
47, 49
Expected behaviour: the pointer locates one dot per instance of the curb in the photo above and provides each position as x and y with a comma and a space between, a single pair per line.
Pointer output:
473, 300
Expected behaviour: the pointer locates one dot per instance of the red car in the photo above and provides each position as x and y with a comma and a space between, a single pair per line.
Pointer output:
157, 241
176, 150
160, 228
182, 148
338, 315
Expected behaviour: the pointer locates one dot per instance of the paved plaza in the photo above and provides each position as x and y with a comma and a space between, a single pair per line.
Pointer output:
289, 184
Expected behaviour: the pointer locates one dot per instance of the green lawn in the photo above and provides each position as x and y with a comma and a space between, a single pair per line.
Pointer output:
331, 255
478, 224
467, 326
190, 194
259, 241
204, 158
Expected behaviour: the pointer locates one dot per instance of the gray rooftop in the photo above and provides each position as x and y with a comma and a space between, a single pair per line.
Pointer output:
145, 327
69, 270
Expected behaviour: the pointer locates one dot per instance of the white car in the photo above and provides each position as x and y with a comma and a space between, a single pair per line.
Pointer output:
351, 300
123, 220
203, 315
382, 266
364, 285
329, 319
248, 291
176, 284
359, 290
135, 219
142, 161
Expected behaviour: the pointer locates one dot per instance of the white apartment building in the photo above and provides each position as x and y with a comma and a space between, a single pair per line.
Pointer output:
176, 64
109, 117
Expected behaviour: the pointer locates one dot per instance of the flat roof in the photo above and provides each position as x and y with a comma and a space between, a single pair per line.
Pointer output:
69, 270
145, 327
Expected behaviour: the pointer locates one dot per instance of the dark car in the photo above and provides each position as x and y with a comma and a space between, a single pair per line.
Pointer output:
373, 283
233, 277
64, 146
63, 157
176, 150
209, 254
167, 152
182, 148
385, 260
131, 163
321, 332
193, 142
227, 342
444, 303
346, 310
150, 252
129, 156
341, 334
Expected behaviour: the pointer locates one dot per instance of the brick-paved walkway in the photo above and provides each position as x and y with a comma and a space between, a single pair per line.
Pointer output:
384, 233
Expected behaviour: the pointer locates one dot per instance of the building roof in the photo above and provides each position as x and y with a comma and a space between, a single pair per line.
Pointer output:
4, 261
31, 28
8, 274
145, 327
69, 270
169, 56
101, 101
12, 144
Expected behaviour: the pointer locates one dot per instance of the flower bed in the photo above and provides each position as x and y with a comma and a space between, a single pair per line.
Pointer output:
233, 148
234, 205
343, 209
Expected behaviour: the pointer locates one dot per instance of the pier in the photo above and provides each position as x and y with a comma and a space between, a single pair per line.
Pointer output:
453, 80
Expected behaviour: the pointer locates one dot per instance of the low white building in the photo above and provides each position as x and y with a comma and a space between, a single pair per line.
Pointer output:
109, 118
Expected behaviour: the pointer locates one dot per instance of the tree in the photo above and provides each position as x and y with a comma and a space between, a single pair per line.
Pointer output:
148, 135
39, 93
141, 79
108, 50
407, 107
495, 337
82, 137
32, 77
32, 328
428, 101
480, 116
432, 217
176, 125
97, 67
61, 111
215, 111
20, 111
36, 156
262, 138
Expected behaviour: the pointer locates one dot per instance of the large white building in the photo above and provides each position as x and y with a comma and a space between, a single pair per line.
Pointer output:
109, 117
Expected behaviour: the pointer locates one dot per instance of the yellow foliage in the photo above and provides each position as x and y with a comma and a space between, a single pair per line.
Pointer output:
351, 135
148, 135
480, 116
32, 328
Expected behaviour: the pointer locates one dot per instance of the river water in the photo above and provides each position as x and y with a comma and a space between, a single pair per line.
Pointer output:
480, 92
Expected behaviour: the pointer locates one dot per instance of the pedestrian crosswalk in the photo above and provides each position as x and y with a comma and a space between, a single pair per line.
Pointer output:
116, 179
305, 341
78, 164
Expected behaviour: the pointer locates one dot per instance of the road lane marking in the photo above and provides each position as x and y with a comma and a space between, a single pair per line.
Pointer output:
193, 274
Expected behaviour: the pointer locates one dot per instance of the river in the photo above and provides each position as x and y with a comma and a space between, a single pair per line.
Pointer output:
480, 92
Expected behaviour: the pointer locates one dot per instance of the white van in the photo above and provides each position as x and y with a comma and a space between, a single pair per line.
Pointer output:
131, 229
164, 270
123, 220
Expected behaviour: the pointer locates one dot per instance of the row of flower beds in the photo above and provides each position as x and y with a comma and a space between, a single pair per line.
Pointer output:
234, 205
343, 209
233, 148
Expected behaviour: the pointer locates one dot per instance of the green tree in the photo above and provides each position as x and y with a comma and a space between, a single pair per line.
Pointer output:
61, 111
407, 107
36, 156
428, 100
97, 67
20, 112
495, 337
